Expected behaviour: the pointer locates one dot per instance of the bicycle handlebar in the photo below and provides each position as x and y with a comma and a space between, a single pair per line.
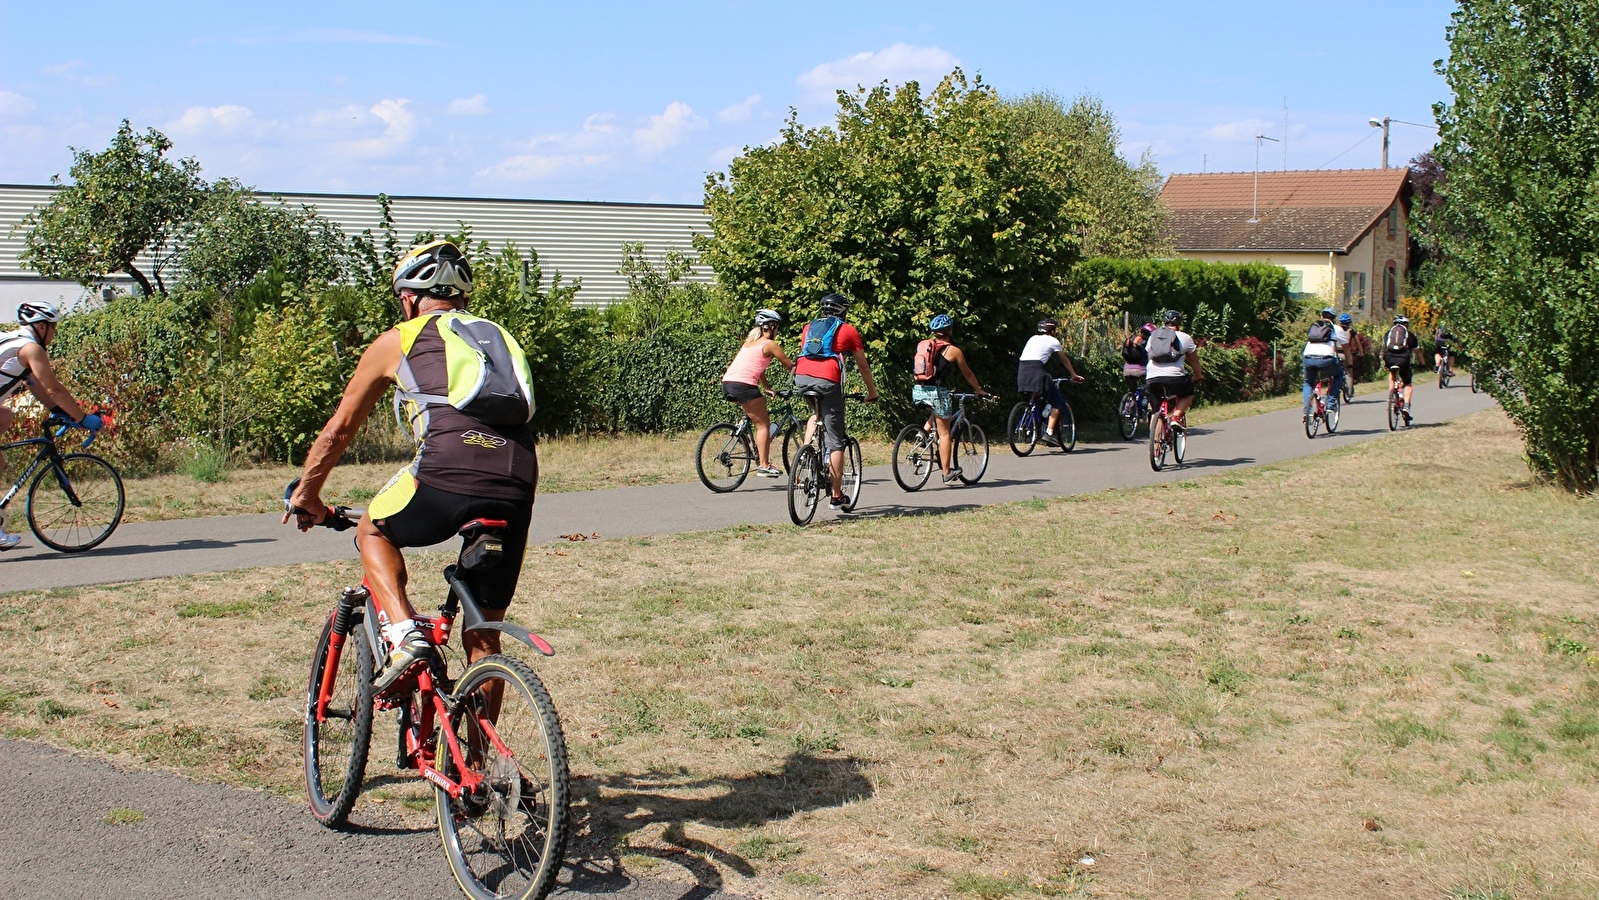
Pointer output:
61, 423
338, 518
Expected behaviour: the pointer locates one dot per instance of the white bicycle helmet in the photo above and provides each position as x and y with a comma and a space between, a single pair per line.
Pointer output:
438, 268
35, 312
764, 317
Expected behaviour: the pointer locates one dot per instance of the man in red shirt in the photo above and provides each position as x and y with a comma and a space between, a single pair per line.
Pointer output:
820, 368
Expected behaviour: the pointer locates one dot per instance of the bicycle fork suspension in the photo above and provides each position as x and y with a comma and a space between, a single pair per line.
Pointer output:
343, 616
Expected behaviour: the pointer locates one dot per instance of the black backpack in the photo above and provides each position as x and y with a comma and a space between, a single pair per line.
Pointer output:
1321, 332
1164, 347
1398, 340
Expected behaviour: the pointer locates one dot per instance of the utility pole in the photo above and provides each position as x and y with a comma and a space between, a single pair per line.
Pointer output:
1254, 209
1382, 123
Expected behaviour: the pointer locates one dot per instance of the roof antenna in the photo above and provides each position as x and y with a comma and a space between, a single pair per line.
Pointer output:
1204, 163
1254, 209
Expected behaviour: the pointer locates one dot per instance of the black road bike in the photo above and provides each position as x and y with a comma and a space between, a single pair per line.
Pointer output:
75, 500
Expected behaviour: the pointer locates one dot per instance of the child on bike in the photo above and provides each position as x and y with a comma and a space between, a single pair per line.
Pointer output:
1135, 356
745, 383
936, 355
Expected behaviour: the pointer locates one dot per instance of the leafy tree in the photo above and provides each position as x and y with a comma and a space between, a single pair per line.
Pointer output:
122, 200
911, 205
234, 238
1123, 212
1518, 229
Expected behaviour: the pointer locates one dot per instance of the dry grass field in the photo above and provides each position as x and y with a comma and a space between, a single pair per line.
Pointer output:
566, 464
1368, 673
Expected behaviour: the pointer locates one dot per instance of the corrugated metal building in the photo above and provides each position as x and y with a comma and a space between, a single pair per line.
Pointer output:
579, 239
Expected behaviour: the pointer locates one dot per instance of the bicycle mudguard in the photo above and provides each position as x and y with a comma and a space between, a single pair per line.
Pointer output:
472, 617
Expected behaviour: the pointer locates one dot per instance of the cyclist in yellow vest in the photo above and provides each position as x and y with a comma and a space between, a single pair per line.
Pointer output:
463, 384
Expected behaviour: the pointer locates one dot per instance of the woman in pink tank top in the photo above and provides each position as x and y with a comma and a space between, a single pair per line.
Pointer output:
745, 380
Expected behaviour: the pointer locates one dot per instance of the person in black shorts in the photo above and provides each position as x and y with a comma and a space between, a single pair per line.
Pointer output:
474, 459
1167, 377
1398, 349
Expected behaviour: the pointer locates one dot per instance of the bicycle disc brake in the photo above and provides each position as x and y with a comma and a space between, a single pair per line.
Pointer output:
504, 781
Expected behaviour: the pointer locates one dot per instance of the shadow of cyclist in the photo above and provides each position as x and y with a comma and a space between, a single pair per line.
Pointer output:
606, 809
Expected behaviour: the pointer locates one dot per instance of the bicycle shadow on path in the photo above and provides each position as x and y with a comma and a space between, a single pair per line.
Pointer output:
607, 810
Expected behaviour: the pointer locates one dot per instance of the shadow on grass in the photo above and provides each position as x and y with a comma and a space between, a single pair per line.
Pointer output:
888, 510
1202, 463
633, 802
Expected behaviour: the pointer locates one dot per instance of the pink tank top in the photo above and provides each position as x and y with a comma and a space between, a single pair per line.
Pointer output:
749, 365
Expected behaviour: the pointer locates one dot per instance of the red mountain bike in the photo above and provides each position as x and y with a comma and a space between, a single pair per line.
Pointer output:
489, 742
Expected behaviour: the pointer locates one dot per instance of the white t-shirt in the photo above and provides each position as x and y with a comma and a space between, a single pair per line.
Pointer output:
1185, 345
1040, 347
1339, 339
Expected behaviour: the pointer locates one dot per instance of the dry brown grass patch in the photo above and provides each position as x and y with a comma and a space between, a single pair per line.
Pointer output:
1086, 696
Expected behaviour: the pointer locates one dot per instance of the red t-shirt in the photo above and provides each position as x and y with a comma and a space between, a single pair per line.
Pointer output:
845, 341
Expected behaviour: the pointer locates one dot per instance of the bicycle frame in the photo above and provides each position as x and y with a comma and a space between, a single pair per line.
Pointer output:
47, 452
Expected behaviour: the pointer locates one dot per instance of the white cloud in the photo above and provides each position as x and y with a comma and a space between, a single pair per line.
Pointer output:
212, 120
739, 112
1242, 130
399, 124
14, 104
895, 64
475, 105
73, 72
722, 157
534, 166
667, 128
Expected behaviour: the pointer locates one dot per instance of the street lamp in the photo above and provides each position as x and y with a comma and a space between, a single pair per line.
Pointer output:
1383, 123
1254, 208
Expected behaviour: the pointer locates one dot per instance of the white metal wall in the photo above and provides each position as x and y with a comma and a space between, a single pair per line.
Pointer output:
578, 239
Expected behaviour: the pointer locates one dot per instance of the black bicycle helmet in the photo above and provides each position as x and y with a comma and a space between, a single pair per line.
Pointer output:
834, 304
1045, 326
1172, 317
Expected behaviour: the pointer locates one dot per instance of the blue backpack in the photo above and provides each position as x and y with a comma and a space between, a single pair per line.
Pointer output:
820, 339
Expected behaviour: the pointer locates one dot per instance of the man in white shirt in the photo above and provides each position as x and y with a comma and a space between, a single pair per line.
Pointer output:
1032, 378
1165, 375
1324, 345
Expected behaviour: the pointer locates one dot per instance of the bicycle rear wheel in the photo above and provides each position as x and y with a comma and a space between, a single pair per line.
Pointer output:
914, 458
1475, 388
850, 487
1066, 429
1022, 429
971, 453
506, 839
1127, 415
723, 457
75, 505
804, 486
335, 748
1312, 421
1393, 411
1443, 375
1157, 442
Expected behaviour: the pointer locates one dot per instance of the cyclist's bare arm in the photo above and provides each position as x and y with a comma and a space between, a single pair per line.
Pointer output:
780, 356
373, 375
866, 375
1192, 358
958, 357
1070, 369
44, 384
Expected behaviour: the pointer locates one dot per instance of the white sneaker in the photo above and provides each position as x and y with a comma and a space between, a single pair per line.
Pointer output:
9, 541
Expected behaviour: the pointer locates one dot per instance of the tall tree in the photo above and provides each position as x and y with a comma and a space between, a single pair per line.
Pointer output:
1123, 212
122, 201
1517, 231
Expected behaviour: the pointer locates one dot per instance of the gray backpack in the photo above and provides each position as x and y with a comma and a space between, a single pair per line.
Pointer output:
1164, 347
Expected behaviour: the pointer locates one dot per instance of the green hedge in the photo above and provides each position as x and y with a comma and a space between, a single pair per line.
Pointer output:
1256, 293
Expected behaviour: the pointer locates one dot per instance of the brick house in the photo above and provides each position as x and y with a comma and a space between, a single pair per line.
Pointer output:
1342, 234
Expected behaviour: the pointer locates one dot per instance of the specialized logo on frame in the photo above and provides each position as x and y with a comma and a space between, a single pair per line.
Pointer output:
487, 441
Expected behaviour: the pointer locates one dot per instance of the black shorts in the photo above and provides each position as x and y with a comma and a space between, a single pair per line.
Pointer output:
1405, 371
739, 392
431, 516
1178, 386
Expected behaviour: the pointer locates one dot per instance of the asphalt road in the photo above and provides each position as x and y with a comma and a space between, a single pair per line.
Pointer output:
182, 546
221, 843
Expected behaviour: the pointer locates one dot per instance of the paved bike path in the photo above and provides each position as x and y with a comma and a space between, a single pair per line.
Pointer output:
221, 843
183, 546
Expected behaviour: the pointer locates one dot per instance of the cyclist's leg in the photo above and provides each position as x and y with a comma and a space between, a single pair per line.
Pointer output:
761, 425
1307, 385
1337, 381
1184, 398
830, 411
495, 588
1057, 402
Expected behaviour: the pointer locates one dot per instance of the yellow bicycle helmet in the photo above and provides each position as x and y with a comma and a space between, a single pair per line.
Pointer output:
438, 268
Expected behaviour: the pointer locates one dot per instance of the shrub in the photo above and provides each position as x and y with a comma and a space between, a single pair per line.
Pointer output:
294, 374
1253, 297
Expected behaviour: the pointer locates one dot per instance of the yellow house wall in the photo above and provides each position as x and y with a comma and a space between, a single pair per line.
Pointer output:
1314, 268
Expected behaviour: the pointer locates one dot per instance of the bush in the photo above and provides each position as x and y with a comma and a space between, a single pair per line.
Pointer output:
1223, 300
294, 375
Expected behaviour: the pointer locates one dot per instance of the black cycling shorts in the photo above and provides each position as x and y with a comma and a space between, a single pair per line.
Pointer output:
431, 516
739, 392
1405, 372
1178, 386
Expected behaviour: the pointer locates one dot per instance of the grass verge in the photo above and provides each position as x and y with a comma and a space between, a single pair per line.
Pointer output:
1245, 685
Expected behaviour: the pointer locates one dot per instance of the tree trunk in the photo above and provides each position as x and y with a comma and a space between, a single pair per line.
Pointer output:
143, 282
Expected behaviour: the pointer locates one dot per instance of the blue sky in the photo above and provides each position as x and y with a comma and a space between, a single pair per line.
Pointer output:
638, 101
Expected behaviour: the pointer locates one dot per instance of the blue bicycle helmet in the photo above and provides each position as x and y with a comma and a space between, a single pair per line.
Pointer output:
941, 322
1346, 320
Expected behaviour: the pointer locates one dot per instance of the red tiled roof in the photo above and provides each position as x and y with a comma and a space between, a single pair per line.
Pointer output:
1307, 211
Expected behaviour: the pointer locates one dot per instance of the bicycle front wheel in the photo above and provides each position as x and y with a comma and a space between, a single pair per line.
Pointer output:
506, 838
791, 445
75, 504
971, 453
914, 458
804, 485
723, 457
1066, 429
1022, 430
1127, 415
853, 473
336, 741
1179, 444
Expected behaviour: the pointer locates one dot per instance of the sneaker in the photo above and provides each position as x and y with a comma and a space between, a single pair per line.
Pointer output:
1051, 441
954, 476
835, 502
9, 541
768, 472
412, 649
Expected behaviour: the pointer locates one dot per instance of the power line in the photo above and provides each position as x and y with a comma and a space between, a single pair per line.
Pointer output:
1351, 146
